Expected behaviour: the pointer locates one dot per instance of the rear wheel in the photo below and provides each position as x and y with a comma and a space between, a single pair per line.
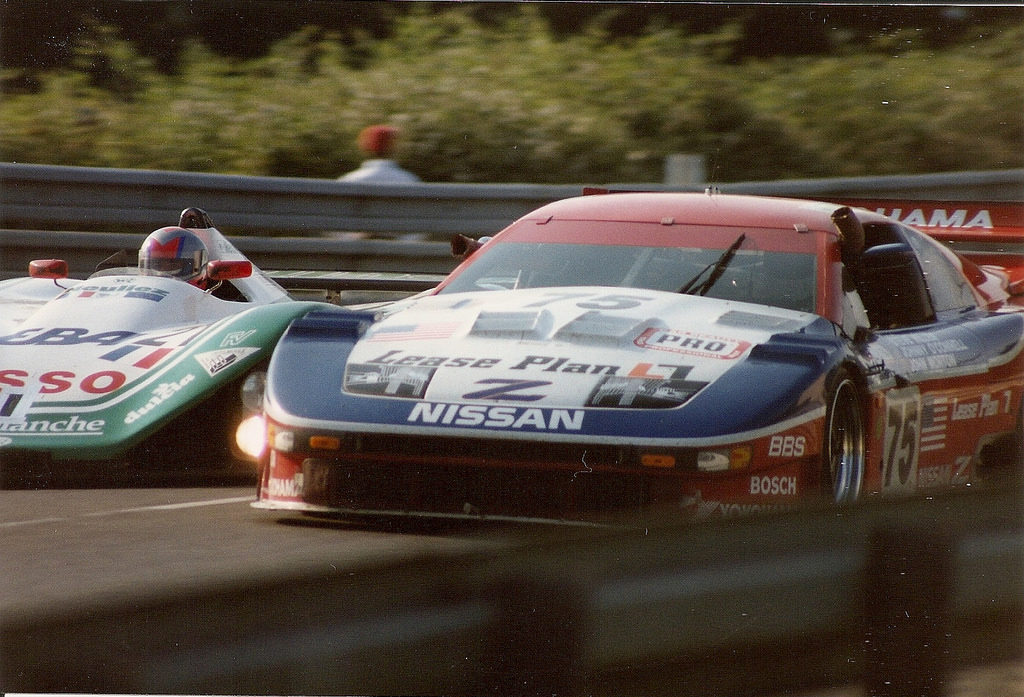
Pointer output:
1003, 457
844, 449
1018, 459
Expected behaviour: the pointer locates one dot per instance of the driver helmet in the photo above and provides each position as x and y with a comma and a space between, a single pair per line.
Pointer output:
173, 252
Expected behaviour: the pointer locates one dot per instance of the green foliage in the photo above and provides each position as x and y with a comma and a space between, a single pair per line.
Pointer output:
510, 99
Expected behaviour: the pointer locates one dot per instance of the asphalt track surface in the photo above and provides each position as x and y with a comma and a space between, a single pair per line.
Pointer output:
67, 548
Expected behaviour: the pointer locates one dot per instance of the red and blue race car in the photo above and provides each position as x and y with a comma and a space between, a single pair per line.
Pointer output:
715, 354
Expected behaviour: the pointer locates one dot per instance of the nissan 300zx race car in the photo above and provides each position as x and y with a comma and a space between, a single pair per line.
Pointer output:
716, 354
133, 365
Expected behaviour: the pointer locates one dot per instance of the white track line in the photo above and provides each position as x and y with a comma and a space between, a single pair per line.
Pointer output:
140, 509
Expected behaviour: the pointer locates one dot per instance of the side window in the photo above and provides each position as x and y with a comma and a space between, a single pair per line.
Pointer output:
947, 285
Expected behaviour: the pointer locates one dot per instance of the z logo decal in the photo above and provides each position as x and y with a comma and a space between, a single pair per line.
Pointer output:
507, 390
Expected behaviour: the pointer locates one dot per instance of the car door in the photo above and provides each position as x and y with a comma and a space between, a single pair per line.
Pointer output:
947, 391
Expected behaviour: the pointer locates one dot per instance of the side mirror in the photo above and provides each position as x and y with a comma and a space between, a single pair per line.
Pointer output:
888, 257
48, 268
851, 234
464, 247
892, 287
225, 270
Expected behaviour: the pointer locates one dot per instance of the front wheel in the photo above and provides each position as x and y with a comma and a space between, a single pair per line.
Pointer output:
843, 452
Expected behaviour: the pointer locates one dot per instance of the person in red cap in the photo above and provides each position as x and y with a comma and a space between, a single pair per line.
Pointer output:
378, 142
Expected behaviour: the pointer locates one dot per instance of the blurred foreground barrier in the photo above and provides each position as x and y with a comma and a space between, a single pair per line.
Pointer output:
895, 596
51, 197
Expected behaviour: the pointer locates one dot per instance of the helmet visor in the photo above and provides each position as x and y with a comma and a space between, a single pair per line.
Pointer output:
164, 266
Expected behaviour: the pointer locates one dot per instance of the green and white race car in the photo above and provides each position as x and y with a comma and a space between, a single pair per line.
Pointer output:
140, 365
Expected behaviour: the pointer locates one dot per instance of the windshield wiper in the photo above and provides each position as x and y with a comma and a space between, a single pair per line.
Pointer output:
717, 269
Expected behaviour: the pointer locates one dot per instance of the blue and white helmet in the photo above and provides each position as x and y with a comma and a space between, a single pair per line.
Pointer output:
173, 252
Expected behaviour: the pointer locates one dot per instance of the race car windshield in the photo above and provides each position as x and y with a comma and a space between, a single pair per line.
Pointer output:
778, 279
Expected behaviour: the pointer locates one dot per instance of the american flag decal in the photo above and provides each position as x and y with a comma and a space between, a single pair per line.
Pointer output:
415, 332
934, 419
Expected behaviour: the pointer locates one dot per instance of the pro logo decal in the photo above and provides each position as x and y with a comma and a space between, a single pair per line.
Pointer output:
692, 343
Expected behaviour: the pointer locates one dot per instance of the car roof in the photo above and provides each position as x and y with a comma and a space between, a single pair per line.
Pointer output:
696, 209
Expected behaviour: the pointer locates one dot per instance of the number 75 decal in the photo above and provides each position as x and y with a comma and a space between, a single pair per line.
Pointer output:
600, 302
902, 440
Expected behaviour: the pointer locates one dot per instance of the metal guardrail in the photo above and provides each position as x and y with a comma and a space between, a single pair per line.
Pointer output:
1001, 185
89, 198
893, 595
84, 250
46, 209
52, 197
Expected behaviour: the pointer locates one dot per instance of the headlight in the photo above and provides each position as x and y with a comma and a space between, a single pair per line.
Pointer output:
388, 380
643, 393
281, 439
253, 387
251, 436
734, 458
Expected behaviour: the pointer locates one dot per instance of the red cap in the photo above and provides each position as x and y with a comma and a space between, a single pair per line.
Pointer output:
377, 140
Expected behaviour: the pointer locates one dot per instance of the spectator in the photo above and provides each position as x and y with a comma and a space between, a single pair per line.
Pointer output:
378, 142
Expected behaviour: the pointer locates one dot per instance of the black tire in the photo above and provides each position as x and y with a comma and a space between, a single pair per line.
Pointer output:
1018, 459
843, 451
198, 444
1002, 458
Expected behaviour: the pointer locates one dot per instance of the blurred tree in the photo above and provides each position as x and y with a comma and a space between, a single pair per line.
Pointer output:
515, 97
